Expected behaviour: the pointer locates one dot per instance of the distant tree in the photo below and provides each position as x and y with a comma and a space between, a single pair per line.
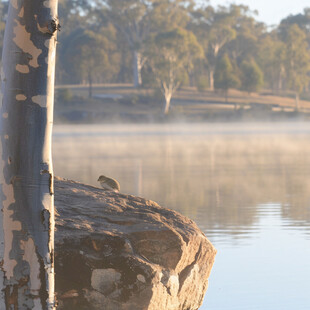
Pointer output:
137, 19
69, 18
169, 54
89, 55
214, 29
252, 78
297, 61
225, 77
132, 19
168, 15
271, 58
302, 20
248, 33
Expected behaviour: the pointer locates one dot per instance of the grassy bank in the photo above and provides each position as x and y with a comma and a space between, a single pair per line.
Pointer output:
123, 103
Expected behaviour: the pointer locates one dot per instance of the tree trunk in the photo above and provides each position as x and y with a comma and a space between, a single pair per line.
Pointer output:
167, 103
137, 66
90, 85
26, 186
297, 101
211, 79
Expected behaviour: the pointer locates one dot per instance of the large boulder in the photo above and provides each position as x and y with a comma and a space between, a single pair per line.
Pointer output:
115, 251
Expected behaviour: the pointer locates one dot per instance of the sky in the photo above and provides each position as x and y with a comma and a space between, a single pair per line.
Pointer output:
270, 11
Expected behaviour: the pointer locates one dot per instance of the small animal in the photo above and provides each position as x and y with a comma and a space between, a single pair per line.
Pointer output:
109, 183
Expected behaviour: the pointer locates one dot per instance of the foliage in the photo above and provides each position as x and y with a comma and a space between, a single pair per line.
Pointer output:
202, 83
301, 20
297, 59
89, 54
214, 29
169, 55
107, 41
252, 78
271, 58
225, 76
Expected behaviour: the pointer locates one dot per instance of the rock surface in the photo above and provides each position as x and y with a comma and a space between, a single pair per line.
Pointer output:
115, 252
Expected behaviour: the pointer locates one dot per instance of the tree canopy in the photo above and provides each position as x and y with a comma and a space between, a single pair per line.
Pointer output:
251, 76
169, 54
121, 41
225, 76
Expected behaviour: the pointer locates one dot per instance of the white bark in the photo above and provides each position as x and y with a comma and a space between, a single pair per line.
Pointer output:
134, 24
211, 78
137, 66
167, 102
168, 90
26, 185
297, 101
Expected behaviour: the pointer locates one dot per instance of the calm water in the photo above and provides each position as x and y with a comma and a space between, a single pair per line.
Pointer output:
246, 186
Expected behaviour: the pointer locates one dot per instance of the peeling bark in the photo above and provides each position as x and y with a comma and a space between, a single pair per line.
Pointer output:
26, 185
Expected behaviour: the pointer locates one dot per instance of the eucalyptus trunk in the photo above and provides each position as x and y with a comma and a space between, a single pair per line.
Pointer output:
137, 66
168, 96
297, 101
90, 85
26, 189
211, 79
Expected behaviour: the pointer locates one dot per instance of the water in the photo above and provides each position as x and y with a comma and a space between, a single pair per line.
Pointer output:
246, 186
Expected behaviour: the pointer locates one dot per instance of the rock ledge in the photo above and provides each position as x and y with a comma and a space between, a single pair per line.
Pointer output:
115, 252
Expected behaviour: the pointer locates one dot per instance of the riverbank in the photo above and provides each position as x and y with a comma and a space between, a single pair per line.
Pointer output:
122, 103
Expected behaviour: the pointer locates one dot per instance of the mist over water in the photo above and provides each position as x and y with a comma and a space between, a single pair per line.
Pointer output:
246, 186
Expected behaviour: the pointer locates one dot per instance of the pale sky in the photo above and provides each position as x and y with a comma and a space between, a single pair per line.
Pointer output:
270, 11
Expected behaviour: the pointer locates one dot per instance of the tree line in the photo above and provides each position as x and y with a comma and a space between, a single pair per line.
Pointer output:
169, 43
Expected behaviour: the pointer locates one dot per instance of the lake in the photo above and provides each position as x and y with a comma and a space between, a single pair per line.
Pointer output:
247, 186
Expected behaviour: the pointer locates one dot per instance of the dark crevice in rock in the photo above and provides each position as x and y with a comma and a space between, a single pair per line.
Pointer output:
186, 271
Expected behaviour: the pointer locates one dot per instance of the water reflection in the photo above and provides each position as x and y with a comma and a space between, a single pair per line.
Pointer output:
271, 272
215, 175
246, 186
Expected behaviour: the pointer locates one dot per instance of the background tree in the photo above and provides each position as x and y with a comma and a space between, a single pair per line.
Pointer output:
297, 61
225, 77
132, 19
302, 20
125, 29
248, 33
252, 78
169, 54
69, 18
26, 186
168, 15
213, 29
88, 55
271, 58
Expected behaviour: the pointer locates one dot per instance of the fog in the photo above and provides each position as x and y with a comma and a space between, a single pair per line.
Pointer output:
197, 169
247, 186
